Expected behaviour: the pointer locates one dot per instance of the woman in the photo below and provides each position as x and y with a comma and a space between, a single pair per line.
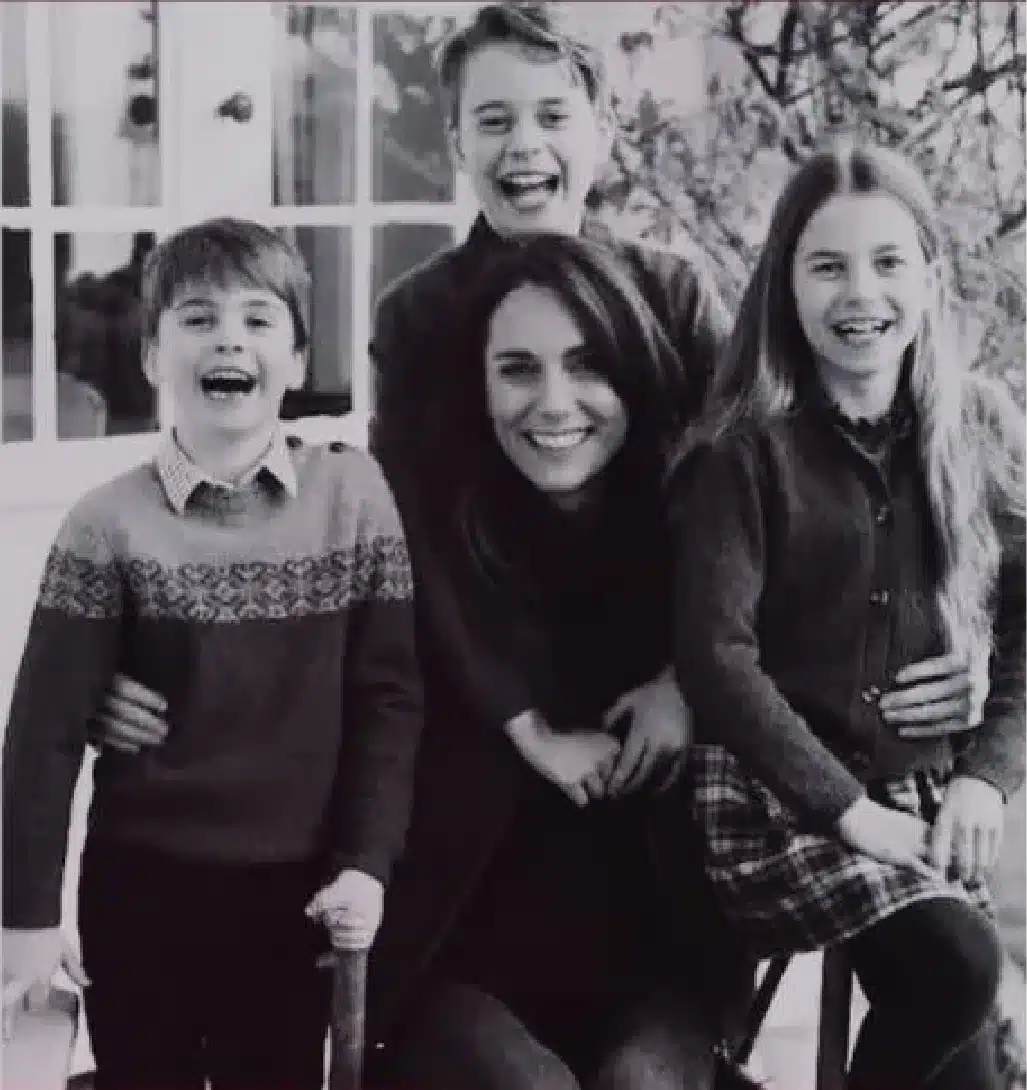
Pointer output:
549, 961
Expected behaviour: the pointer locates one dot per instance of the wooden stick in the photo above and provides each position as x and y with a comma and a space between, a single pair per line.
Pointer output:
349, 984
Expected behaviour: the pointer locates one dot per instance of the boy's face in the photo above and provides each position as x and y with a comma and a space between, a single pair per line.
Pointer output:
529, 139
226, 357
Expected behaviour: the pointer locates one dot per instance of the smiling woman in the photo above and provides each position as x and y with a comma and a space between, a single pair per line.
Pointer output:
556, 417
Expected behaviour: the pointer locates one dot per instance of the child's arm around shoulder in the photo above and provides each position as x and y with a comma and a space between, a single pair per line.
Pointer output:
996, 750
721, 498
382, 698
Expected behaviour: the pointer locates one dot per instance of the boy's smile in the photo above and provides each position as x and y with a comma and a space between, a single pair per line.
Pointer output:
529, 138
226, 357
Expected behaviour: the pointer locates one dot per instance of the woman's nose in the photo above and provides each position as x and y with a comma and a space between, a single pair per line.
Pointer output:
556, 394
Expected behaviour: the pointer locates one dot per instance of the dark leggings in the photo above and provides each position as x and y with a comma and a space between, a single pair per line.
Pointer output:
931, 974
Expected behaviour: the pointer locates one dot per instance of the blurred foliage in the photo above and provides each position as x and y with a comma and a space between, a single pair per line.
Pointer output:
942, 81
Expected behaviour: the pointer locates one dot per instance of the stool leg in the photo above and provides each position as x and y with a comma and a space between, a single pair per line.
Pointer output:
833, 1031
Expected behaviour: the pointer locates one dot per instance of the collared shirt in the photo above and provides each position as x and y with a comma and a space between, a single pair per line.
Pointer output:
180, 476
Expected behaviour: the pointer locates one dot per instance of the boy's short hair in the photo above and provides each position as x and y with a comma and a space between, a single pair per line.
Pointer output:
543, 27
226, 252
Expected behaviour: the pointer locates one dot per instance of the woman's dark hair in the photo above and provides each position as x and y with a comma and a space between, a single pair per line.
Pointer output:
627, 346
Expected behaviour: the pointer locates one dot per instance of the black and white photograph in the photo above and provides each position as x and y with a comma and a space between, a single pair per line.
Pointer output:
513, 545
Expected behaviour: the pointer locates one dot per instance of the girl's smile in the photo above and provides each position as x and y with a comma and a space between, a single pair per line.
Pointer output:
860, 284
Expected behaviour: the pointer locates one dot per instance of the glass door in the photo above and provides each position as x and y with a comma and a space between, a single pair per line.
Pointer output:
122, 121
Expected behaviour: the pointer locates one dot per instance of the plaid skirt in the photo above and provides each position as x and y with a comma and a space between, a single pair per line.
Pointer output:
789, 889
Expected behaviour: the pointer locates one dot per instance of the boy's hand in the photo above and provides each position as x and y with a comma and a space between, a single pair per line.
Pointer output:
578, 763
967, 833
31, 957
659, 731
890, 836
132, 716
351, 908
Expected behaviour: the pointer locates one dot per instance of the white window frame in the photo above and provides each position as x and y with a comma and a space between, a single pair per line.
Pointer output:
45, 471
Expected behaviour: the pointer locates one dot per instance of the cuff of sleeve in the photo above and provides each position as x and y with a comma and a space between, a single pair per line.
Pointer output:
1006, 785
376, 864
835, 795
21, 916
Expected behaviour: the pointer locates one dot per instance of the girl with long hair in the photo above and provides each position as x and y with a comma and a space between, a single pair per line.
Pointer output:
851, 525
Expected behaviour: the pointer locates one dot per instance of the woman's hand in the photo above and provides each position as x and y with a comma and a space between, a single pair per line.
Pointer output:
930, 698
890, 836
31, 958
132, 716
659, 730
578, 763
967, 833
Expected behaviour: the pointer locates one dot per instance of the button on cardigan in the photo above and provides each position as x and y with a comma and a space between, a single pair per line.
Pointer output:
805, 580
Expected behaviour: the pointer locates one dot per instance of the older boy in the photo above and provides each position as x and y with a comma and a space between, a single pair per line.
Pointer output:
264, 588
529, 119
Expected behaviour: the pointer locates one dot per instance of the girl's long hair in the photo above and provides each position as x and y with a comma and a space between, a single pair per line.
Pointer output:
627, 346
970, 441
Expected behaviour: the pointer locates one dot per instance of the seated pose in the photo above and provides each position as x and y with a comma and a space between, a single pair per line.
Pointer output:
552, 961
852, 520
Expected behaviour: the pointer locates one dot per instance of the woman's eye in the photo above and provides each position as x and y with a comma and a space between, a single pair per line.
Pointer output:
198, 321
830, 268
259, 323
518, 371
586, 365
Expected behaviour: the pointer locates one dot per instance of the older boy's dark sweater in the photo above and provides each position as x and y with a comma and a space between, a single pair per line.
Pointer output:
280, 630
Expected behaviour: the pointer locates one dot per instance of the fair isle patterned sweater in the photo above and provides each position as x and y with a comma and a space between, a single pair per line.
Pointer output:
277, 620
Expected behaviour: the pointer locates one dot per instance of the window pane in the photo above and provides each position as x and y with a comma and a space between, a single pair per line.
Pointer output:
397, 247
15, 104
17, 337
101, 389
105, 141
411, 162
315, 82
328, 253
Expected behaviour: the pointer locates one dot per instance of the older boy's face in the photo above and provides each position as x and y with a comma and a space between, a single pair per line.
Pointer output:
529, 139
226, 356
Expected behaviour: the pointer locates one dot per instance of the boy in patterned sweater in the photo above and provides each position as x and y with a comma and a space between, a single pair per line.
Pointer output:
263, 586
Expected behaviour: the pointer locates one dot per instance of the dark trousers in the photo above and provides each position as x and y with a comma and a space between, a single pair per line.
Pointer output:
931, 974
200, 971
460, 1037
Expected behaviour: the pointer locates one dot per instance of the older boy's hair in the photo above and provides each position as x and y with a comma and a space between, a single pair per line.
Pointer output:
541, 27
225, 252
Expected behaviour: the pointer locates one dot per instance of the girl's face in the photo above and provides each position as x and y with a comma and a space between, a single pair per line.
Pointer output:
860, 282
558, 421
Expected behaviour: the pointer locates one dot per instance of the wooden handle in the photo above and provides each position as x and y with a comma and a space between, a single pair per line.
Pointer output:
349, 985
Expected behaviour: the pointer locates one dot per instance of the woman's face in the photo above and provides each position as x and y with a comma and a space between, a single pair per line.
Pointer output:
558, 421
860, 281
